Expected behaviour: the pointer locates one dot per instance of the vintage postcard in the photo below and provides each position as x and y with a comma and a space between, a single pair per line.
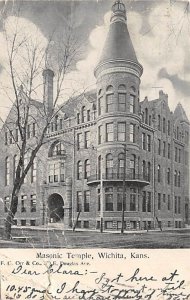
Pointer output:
94, 161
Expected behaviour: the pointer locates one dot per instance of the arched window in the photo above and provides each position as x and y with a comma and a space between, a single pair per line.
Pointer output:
144, 169
58, 149
87, 168
121, 165
109, 166
109, 99
159, 173
122, 97
132, 97
168, 176
149, 171
132, 167
79, 170
175, 178
100, 102
7, 171
83, 114
179, 178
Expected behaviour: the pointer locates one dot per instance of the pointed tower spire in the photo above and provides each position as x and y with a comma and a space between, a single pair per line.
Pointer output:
118, 48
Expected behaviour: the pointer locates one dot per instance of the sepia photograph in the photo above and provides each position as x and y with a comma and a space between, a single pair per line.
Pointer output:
94, 125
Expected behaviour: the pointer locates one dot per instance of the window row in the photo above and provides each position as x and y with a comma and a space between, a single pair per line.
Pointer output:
83, 201
13, 136
83, 141
119, 134
25, 204
83, 116
165, 200
108, 103
178, 155
146, 117
146, 142
164, 149
164, 125
24, 222
56, 172
8, 172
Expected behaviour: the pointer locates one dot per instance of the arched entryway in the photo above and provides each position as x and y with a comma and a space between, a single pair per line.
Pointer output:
56, 208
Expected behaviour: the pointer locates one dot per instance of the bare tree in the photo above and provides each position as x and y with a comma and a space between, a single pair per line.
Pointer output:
26, 59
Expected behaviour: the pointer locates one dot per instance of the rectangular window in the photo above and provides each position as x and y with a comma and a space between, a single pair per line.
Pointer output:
56, 172
159, 146
179, 156
33, 171
133, 199
28, 131
159, 201
132, 104
33, 203
7, 171
144, 201
87, 139
176, 154
109, 199
179, 205
79, 201
11, 137
99, 200
164, 149
121, 132
23, 222
143, 141
168, 127
16, 135
164, 125
6, 204
148, 142
32, 222
100, 134
79, 141
169, 155
86, 224
23, 203
78, 118
132, 133
109, 132
169, 203
149, 202
88, 115
34, 129
164, 198
109, 103
86, 201
122, 102
175, 204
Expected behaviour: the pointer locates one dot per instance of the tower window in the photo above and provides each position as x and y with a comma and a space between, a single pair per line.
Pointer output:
86, 201
109, 166
7, 171
109, 99
100, 134
109, 132
132, 133
121, 131
87, 168
79, 170
121, 102
109, 198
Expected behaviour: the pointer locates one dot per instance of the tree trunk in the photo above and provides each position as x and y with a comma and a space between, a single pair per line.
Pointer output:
10, 216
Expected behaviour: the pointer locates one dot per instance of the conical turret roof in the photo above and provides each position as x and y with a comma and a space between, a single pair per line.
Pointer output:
118, 45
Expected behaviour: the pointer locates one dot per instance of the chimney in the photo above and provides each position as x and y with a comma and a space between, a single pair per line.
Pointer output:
48, 90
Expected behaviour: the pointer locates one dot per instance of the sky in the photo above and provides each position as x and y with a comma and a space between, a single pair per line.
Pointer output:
160, 32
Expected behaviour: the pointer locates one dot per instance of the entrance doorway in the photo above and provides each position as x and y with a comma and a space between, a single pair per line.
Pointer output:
56, 208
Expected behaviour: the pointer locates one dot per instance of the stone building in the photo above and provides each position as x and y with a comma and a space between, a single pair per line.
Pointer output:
107, 153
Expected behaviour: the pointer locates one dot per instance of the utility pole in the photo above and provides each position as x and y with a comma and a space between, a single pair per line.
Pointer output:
124, 190
101, 199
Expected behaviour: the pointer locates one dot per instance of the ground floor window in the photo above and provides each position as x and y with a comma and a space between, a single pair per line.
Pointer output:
86, 224
78, 225
32, 222
109, 198
108, 224
23, 222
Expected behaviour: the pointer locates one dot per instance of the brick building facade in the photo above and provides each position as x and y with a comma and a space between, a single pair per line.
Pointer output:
102, 146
